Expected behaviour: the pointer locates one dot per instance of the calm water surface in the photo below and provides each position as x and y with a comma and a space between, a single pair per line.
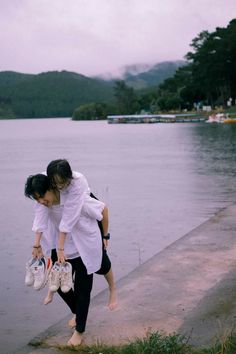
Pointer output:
159, 181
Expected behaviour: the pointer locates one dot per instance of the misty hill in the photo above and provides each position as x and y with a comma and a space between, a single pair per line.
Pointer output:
142, 76
151, 76
51, 94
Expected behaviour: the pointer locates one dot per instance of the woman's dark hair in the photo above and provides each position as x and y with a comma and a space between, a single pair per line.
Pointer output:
36, 186
61, 168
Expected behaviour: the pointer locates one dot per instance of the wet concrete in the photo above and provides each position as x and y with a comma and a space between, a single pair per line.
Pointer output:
187, 288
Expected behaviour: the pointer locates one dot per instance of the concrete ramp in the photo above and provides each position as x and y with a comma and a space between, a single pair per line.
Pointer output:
189, 288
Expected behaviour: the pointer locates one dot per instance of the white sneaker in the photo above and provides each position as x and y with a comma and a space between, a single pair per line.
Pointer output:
54, 277
66, 277
29, 277
41, 272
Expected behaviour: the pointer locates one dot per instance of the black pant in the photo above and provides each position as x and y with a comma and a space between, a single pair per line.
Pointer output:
78, 299
106, 263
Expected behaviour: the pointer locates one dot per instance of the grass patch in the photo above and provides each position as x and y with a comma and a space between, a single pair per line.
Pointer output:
159, 343
231, 109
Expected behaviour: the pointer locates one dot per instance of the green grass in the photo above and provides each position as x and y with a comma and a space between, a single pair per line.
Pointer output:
159, 343
231, 111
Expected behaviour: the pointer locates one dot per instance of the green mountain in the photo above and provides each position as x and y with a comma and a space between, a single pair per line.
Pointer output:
50, 94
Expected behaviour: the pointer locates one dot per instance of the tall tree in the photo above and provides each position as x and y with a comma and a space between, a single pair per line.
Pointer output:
126, 99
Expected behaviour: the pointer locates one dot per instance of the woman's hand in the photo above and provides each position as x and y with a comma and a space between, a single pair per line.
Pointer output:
105, 238
37, 252
61, 255
105, 243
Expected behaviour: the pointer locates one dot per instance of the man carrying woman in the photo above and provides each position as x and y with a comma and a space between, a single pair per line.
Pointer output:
72, 234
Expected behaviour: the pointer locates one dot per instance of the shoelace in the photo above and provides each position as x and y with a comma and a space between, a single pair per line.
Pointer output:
38, 273
54, 276
65, 278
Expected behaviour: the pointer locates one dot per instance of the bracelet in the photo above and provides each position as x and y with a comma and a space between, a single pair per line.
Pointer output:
60, 249
107, 237
37, 247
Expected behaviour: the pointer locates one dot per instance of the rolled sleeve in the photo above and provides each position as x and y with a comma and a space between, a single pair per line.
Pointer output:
93, 208
40, 223
75, 197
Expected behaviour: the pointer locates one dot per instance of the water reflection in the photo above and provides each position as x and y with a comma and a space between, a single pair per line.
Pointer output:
214, 158
215, 146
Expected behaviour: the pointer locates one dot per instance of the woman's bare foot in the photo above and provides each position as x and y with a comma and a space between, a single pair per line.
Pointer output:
48, 298
75, 340
71, 322
112, 304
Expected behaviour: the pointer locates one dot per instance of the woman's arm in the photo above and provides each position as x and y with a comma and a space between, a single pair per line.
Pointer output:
74, 198
60, 249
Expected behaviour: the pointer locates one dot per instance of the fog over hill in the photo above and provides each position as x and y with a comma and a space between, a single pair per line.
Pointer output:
144, 75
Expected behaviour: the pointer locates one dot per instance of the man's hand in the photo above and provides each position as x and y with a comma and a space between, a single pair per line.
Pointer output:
37, 252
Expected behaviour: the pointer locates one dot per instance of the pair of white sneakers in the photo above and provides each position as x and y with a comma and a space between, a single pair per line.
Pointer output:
60, 276
37, 272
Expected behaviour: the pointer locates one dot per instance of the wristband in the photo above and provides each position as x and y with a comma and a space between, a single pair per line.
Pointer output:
37, 247
107, 237
60, 249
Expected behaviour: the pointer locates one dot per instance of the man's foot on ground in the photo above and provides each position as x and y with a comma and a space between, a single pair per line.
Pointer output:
48, 298
75, 340
71, 322
112, 304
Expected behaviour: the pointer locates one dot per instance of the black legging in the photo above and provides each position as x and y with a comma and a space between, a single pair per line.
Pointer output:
78, 299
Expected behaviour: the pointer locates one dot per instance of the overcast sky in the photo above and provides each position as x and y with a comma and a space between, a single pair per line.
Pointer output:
98, 36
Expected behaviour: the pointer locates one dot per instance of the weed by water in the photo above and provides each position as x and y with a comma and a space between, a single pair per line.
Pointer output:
153, 343
159, 343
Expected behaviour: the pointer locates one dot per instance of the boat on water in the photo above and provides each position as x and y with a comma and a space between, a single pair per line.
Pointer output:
220, 118
216, 118
230, 120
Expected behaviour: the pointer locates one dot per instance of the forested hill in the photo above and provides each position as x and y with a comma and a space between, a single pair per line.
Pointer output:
59, 93
51, 94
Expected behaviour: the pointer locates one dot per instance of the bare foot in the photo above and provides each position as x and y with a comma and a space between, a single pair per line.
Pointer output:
48, 298
71, 322
112, 304
75, 340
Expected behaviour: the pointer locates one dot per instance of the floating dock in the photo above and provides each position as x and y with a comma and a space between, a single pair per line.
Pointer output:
155, 118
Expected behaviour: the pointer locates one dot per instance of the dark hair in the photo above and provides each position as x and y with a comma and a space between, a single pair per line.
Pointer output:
36, 186
60, 167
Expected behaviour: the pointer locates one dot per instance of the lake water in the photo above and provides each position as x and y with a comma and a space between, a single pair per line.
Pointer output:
159, 182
